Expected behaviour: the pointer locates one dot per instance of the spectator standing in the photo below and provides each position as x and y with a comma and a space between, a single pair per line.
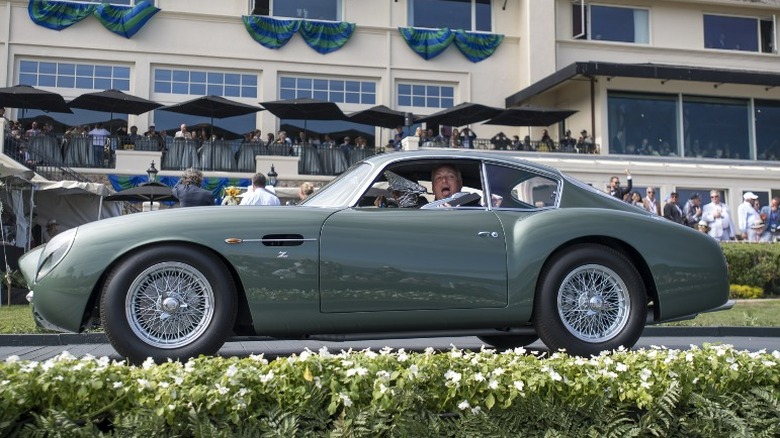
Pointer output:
635, 199
585, 143
718, 217
468, 138
651, 203
747, 215
398, 138
455, 139
183, 132
568, 143
154, 135
52, 229
672, 211
771, 214
546, 143
516, 145
692, 210
33, 131
500, 141
99, 136
259, 194
189, 190
620, 192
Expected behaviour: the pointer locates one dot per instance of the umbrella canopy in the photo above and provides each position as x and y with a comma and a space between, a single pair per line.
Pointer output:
530, 115
305, 109
149, 192
462, 114
379, 115
215, 107
27, 97
113, 101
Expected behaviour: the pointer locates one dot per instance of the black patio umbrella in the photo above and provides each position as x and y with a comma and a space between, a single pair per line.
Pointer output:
379, 115
148, 192
530, 115
462, 114
214, 107
113, 101
27, 97
305, 109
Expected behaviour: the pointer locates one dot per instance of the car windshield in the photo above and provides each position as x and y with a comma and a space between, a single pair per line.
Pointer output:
341, 190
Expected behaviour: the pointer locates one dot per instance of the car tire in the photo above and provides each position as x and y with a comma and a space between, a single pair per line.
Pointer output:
168, 302
504, 342
590, 298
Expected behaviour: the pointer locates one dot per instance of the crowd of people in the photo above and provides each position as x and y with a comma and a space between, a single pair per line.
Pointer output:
467, 138
754, 223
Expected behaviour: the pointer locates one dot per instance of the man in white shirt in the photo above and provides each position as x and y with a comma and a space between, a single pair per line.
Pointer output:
259, 194
99, 136
183, 132
747, 215
718, 217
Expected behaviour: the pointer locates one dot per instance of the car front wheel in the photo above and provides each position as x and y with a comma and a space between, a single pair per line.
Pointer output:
591, 298
168, 302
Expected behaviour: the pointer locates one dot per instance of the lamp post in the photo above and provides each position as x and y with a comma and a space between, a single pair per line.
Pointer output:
152, 173
272, 177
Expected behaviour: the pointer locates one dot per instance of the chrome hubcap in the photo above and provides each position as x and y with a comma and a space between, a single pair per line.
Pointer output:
593, 303
169, 305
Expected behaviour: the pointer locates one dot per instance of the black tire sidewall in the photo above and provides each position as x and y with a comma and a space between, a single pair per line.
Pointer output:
503, 342
548, 322
117, 286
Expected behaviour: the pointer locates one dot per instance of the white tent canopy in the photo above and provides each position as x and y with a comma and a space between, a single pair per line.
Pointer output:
72, 203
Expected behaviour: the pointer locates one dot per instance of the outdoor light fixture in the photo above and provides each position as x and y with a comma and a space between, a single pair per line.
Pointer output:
272, 180
152, 172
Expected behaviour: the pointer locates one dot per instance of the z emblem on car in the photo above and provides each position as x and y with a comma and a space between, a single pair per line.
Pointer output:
282, 255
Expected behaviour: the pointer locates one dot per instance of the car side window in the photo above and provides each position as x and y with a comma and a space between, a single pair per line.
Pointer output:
521, 188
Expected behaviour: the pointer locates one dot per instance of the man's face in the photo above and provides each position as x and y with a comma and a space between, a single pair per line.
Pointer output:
445, 182
775, 202
614, 183
651, 193
696, 202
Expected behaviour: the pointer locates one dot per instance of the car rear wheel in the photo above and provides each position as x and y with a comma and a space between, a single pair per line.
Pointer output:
168, 302
590, 298
503, 342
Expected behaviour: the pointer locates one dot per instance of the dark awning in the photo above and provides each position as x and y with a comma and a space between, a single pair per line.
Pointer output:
644, 71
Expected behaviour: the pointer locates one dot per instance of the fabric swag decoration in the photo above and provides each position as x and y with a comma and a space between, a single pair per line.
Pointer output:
125, 21
274, 33
430, 43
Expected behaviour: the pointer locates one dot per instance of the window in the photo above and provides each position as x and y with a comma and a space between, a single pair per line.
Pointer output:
471, 15
520, 188
738, 33
303, 9
74, 75
609, 23
332, 90
426, 95
716, 127
642, 124
766, 115
201, 83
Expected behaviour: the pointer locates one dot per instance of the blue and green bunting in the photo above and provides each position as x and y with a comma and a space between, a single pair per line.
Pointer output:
273, 33
122, 20
215, 185
270, 32
477, 46
430, 43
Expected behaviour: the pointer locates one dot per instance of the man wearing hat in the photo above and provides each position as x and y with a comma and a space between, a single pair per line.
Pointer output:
692, 210
747, 215
154, 135
51, 230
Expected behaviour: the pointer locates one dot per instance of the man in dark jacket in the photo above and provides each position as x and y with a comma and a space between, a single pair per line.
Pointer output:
620, 192
672, 210
189, 192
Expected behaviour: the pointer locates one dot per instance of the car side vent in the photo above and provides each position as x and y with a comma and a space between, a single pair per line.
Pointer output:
283, 240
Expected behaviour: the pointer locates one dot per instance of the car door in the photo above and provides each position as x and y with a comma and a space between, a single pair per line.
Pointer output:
391, 259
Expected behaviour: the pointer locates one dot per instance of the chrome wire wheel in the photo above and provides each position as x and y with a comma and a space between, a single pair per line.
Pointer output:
594, 303
169, 305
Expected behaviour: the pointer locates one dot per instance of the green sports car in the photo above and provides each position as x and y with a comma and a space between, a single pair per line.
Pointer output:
509, 251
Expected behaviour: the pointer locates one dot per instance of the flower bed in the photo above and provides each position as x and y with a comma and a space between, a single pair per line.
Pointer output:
708, 391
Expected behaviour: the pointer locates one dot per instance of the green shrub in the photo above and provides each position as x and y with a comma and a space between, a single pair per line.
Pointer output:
755, 265
741, 291
707, 391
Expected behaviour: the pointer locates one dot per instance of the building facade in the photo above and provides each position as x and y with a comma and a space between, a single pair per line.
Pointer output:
684, 93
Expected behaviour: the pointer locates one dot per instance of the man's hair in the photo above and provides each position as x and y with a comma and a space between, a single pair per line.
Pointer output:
192, 177
258, 180
307, 188
453, 167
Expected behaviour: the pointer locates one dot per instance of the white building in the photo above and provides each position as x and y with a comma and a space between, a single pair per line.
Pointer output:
696, 79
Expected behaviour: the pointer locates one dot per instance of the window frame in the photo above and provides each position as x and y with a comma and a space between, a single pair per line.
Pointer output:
583, 22
425, 97
335, 89
474, 19
266, 8
60, 73
760, 37
247, 87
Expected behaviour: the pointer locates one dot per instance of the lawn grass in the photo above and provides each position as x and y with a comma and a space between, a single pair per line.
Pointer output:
746, 313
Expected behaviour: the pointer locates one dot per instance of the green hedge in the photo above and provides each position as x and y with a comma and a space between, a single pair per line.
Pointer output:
754, 264
708, 391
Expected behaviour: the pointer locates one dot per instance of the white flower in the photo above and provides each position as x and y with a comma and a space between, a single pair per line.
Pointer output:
414, 370
402, 356
498, 372
734, 367
493, 384
143, 383
519, 385
464, 405
305, 354
148, 363
265, 378
222, 390
689, 356
345, 399
178, 380
258, 358
164, 385
645, 374
12, 359
479, 377
555, 376
454, 353
768, 363
118, 385
369, 353
476, 410
231, 371
385, 351
621, 367
429, 351
360, 371
382, 388
452, 376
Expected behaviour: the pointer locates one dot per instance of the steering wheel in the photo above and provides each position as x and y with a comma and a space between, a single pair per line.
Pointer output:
455, 200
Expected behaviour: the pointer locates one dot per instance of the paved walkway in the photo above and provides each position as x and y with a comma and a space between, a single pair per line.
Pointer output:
42, 347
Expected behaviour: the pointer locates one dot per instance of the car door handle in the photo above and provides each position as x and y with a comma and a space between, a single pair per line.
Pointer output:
492, 234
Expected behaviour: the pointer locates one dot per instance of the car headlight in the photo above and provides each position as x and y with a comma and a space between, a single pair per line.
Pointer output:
55, 251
